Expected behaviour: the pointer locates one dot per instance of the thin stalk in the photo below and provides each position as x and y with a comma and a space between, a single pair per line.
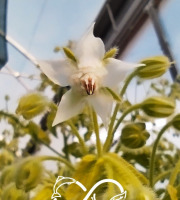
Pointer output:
116, 109
110, 136
163, 175
68, 164
7, 115
174, 173
49, 147
129, 78
96, 130
152, 160
76, 133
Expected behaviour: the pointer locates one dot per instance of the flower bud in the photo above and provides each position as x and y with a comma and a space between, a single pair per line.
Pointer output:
7, 175
134, 135
32, 105
29, 173
176, 122
6, 158
155, 67
10, 192
158, 106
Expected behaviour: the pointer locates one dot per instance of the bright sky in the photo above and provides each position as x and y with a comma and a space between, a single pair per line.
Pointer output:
39, 26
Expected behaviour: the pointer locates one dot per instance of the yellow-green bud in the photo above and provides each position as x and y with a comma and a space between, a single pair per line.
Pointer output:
6, 158
134, 135
32, 105
7, 175
10, 192
158, 106
176, 122
28, 174
155, 67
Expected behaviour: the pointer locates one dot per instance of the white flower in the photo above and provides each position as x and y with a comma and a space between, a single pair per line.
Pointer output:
86, 72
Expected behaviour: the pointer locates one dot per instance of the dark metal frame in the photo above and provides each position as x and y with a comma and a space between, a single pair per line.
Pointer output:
3, 45
119, 21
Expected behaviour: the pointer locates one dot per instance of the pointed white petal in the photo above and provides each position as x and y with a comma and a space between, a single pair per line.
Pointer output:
71, 104
57, 71
117, 71
102, 104
89, 50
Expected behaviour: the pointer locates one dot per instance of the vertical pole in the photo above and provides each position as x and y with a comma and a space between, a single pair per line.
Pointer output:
153, 14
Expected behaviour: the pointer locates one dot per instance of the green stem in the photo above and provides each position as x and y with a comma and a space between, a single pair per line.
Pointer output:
163, 175
174, 173
96, 130
76, 133
152, 160
110, 131
128, 80
68, 164
108, 139
110, 136
49, 147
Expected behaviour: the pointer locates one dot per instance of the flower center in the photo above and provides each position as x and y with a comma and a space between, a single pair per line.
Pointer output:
85, 82
88, 84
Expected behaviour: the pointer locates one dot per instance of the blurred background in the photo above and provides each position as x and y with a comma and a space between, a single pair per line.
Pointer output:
138, 28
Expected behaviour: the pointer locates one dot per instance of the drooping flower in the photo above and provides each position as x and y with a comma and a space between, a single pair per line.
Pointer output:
87, 68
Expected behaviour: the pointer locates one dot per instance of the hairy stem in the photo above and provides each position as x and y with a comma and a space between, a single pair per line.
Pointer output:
96, 130
110, 136
76, 133
152, 160
116, 109
174, 173
49, 147
68, 164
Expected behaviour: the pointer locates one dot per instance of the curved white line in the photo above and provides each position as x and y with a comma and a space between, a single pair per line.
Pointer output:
81, 186
99, 183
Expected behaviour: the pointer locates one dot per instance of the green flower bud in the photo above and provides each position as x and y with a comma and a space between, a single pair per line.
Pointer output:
158, 106
7, 175
176, 122
32, 105
155, 67
6, 158
10, 192
28, 174
134, 135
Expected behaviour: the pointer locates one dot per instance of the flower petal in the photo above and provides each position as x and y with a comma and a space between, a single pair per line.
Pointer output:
71, 104
57, 71
117, 71
102, 103
89, 50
